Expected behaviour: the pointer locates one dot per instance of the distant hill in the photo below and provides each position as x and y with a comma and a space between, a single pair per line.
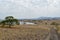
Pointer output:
48, 18
43, 18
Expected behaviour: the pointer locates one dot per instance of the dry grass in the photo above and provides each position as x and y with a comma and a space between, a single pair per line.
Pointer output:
58, 27
24, 32
27, 32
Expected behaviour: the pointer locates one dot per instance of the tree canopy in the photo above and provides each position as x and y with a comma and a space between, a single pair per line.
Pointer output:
10, 20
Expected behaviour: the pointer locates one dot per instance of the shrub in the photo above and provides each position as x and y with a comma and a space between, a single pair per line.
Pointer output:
54, 23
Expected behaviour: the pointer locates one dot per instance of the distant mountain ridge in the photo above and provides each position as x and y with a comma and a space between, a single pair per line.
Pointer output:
48, 18
44, 18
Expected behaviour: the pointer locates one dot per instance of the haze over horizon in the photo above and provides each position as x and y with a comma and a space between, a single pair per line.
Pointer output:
29, 8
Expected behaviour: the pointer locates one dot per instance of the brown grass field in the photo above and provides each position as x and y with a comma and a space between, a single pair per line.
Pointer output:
24, 32
27, 32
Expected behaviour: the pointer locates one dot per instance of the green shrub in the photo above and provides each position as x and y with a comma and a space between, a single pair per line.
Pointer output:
54, 23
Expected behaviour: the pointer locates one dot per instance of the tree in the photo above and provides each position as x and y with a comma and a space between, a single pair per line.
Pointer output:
10, 20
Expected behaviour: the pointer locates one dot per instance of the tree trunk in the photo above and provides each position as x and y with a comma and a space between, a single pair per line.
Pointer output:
9, 26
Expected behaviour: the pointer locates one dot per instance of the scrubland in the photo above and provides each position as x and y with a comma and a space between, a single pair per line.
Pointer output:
24, 32
27, 32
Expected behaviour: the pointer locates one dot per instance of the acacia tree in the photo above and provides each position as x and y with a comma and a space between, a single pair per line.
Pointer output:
10, 20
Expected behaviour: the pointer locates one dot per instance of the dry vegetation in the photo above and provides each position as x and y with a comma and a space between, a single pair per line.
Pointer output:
24, 32
28, 32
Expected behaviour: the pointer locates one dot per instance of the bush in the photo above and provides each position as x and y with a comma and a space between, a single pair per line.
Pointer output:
54, 23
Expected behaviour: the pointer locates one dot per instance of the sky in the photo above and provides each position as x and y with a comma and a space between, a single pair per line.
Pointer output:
29, 8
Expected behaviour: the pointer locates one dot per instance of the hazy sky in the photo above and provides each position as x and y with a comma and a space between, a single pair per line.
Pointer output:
29, 8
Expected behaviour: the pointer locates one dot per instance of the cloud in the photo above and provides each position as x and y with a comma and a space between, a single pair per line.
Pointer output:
29, 8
